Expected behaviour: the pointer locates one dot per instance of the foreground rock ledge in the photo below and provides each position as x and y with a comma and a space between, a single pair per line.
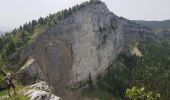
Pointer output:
40, 91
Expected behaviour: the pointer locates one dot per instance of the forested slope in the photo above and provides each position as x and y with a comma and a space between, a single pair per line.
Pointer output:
151, 70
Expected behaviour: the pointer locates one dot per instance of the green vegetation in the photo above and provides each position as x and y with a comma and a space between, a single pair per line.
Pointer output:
140, 94
151, 70
4, 92
97, 93
18, 97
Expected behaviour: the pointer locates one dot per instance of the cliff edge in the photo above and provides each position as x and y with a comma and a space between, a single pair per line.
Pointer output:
83, 44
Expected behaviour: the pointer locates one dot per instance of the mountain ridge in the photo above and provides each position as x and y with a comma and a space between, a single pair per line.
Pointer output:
80, 45
88, 41
162, 25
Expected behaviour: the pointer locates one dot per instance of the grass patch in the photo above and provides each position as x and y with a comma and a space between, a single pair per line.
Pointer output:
5, 92
18, 97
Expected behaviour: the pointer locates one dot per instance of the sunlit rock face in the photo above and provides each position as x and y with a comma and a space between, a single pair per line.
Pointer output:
83, 44
39, 91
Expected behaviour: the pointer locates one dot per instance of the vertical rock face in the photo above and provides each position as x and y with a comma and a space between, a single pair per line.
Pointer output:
30, 72
96, 42
83, 44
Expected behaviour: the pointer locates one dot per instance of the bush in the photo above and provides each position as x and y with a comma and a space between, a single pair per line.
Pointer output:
18, 97
140, 94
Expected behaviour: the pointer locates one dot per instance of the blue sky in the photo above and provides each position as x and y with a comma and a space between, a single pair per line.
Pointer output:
16, 12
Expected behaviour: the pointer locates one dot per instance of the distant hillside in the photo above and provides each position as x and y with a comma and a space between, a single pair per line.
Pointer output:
162, 25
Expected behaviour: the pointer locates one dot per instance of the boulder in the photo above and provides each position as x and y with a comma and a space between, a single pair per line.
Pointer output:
40, 91
30, 73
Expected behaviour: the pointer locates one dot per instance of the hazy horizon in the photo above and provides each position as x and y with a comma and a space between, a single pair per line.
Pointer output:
16, 13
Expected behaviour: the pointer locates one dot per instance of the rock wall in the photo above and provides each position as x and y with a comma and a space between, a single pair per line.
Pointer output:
30, 72
83, 44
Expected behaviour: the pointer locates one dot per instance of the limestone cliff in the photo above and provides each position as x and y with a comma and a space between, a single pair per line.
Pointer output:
83, 44
30, 73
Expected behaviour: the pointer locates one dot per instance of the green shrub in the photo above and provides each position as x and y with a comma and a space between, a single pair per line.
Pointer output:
18, 97
140, 94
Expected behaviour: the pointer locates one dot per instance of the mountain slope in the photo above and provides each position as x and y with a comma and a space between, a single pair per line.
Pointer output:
72, 45
83, 44
130, 70
161, 28
162, 25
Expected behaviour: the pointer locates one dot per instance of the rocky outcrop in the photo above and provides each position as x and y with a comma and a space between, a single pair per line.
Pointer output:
30, 73
40, 95
83, 44
40, 91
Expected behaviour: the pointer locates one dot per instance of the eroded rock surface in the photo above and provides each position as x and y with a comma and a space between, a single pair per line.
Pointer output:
40, 91
83, 44
30, 72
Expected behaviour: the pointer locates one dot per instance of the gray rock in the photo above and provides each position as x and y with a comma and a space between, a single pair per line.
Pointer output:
30, 73
40, 91
83, 44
